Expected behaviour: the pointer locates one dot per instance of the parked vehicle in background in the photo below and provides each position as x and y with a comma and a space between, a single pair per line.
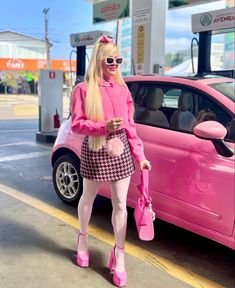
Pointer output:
187, 125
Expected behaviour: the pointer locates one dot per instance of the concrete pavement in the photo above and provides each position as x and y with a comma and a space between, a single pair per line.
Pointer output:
21, 106
38, 250
38, 233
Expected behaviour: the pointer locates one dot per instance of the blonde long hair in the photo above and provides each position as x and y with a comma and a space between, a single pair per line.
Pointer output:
93, 105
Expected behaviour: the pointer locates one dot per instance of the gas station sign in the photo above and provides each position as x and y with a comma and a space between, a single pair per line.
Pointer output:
213, 20
87, 38
110, 10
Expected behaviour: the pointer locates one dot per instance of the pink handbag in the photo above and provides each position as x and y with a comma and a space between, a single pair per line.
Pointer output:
144, 214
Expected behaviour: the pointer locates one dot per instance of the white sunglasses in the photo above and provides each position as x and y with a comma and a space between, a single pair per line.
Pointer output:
112, 60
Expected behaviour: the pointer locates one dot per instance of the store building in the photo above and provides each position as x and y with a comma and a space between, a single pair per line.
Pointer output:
21, 57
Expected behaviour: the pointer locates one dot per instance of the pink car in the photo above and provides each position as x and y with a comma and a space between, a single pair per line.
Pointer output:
188, 129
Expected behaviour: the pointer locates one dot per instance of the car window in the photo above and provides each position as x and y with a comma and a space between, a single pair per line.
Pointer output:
178, 108
226, 88
171, 97
149, 105
161, 105
208, 109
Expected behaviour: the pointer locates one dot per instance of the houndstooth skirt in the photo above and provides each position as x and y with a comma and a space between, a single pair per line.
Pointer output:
100, 166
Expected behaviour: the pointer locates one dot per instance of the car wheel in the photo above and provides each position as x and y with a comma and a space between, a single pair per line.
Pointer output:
67, 180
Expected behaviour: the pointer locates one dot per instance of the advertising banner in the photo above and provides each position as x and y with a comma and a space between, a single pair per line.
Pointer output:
184, 3
110, 10
140, 49
36, 64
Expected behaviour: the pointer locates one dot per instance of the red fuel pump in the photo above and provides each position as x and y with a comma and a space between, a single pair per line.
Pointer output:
56, 120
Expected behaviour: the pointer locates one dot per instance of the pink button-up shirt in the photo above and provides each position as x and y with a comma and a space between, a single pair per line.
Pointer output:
117, 102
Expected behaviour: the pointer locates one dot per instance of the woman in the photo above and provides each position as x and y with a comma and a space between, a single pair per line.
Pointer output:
102, 110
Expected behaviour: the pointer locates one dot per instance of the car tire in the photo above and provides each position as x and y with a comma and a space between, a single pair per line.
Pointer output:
67, 180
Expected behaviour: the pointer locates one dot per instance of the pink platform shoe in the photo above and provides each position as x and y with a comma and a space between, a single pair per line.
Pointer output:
82, 257
119, 278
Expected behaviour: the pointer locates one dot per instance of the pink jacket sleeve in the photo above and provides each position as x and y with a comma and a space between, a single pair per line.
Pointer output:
80, 124
136, 143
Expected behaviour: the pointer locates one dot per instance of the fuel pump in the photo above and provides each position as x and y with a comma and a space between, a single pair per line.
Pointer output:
50, 90
207, 24
81, 41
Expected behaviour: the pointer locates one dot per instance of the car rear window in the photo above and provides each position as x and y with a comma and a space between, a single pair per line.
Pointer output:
226, 88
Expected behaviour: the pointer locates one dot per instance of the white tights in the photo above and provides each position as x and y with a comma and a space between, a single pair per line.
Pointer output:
119, 190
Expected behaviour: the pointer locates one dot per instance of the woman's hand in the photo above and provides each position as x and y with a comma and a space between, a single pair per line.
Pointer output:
113, 124
145, 164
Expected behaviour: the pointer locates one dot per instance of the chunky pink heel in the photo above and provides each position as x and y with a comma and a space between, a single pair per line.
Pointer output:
82, 257
112, 260
119, 278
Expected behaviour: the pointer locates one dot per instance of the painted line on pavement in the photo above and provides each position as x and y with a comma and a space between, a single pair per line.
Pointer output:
20, 130
24, 156
159, 262
16, 144
25, 143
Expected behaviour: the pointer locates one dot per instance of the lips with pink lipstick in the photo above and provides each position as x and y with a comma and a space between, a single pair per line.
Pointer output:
112, 68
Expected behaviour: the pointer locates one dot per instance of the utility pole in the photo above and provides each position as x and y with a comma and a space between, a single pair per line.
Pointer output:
45, 11
119, 33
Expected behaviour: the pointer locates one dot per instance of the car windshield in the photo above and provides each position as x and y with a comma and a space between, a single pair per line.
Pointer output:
226, 88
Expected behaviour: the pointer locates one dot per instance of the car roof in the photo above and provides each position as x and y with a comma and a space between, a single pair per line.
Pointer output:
208, 79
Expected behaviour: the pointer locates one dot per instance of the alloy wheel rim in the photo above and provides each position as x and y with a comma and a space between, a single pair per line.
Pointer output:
67, 180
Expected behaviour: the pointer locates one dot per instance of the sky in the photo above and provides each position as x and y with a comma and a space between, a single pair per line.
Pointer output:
73, 16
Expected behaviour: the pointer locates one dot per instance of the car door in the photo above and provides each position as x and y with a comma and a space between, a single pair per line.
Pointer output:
190, 183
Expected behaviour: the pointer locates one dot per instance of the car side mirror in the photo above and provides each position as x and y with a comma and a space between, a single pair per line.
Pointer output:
214, 131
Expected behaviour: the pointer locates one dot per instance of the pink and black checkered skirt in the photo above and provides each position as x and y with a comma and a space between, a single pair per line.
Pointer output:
100, 166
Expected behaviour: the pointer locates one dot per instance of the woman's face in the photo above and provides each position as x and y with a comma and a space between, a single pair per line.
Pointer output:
110, 65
